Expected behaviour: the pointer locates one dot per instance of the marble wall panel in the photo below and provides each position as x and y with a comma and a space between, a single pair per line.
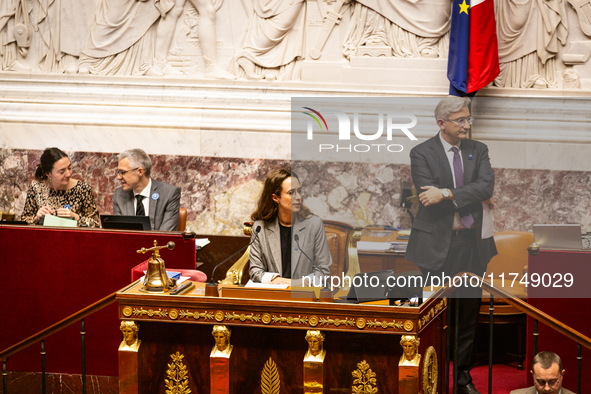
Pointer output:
220, 193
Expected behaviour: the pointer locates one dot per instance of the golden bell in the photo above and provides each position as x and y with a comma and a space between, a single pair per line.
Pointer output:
157, 281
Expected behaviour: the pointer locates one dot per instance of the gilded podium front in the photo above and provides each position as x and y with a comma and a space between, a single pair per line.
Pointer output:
197, 344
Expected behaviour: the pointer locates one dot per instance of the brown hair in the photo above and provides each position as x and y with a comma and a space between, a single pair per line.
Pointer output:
48, 159
546, 359
267, 208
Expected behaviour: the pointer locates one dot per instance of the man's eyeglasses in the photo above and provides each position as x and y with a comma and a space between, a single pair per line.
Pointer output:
119, 172
542, 383
461, 121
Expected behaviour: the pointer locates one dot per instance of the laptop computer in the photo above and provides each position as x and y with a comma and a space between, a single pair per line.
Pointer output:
558, 236
122, 222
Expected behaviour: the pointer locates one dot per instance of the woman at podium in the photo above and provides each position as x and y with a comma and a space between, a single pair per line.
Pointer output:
55, 192
291, 243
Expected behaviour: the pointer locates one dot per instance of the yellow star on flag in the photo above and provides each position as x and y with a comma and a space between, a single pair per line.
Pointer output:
464, 7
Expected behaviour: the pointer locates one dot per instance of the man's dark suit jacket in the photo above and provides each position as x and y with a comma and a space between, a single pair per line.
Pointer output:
430, 237
164, 211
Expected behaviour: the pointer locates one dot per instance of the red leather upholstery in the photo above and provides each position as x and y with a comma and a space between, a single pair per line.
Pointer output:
194, 275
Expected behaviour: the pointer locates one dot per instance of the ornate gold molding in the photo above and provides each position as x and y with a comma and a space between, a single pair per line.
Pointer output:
365, 381
233, 316
141, 312
430, 371
337, 322
431, 313
270, 382
178, 379
196, 315
385, 324
268, 318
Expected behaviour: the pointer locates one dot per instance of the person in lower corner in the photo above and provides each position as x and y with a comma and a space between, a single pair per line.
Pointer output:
292, 243
548, 374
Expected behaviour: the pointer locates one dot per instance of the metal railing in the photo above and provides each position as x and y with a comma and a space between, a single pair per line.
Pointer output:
49, 331
522, 306
501, 295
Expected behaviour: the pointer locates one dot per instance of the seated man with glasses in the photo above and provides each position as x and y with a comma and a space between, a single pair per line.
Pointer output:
141, 195
548, 373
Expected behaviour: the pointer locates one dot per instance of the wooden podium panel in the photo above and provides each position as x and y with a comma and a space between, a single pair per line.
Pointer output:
264, 330
50, 273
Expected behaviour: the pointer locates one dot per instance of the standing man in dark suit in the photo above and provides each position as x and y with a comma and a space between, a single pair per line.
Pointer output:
141, 195
454, 176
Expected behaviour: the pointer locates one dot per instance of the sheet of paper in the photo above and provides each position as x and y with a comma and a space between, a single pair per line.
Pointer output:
373, 246
265, 285
201, 242
54, 221
487, 222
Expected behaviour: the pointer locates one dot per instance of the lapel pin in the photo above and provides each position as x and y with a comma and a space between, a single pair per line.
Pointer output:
470, 156
155, 196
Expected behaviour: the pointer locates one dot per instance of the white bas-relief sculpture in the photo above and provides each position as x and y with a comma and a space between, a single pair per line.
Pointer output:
63, 26
408, 28
207, 38
132, 37
530, 33
274, 42
121, 38
15, 33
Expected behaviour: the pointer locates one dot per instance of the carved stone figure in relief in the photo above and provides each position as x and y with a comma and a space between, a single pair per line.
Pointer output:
121, 38
399, 28
274, 41
530, 33
15, 33
207, 38
63, 26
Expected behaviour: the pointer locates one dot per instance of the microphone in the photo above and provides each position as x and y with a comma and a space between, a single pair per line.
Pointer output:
297, 239
256, 234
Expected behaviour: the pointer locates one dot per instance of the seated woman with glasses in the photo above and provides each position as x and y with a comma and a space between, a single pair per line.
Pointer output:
291, 243
55, 192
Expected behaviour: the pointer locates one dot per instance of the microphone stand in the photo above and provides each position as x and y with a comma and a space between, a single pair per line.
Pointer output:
211, 289
325, 293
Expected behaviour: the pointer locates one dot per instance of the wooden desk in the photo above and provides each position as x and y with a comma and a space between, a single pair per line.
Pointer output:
267, 329
370, 261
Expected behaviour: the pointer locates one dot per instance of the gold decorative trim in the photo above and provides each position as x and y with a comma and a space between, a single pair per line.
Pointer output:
408, 325
430, 371
431, 313
313, 321
178, 379
337, 322
290, 320
127, 311
365, 381
140, 312
385, 324
268, 319
270, 382
196, 315
243, 317
360, 323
